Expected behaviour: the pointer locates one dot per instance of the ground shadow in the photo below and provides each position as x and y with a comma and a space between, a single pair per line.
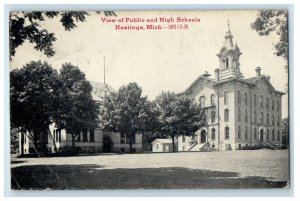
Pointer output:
93, 177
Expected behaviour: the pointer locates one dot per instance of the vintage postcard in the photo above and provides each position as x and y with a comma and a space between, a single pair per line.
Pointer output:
149, 99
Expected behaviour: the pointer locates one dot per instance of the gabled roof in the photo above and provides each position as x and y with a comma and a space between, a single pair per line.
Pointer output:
254, 80
195, 82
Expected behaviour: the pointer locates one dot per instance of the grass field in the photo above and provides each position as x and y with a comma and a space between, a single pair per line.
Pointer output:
185, 170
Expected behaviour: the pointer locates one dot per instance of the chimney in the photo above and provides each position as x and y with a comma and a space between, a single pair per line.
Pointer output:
206, 74
268, 78
217, 74
257, 70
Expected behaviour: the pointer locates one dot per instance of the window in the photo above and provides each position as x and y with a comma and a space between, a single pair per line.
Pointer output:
267, 103
261, 118
213, 134
226, 98
268, 122
278, 135
268, 134
246, 133
254, 100
92, 135
278, 121
227, 133
25, 136
273, 135
183, 138
78, 138
255, 117
122, 138
133, 139
246, 98
84, 135
239, 132
202, 101
255, 133
157, 146
261, 102
239, 97
273, 120
227, 63
226, 115
273, 105
213, 116
246, 116
239, 114
278, 106
212, 99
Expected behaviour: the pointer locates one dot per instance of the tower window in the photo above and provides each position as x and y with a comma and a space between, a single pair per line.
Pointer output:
226, 97
226, 115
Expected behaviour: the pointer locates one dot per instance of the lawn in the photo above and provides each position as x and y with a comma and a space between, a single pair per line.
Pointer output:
188, 170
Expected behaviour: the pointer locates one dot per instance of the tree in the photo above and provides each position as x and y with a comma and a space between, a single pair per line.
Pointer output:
32, 101
26, 26
285, 133
77, 110
127, 112
177, 116
269, 21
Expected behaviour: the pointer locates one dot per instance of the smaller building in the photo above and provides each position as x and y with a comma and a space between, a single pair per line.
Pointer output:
162, 145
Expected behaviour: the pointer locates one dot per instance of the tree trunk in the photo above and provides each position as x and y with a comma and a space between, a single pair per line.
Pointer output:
173, 144
73, 143
130, 143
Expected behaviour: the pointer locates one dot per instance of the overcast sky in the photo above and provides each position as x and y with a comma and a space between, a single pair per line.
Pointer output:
160, 59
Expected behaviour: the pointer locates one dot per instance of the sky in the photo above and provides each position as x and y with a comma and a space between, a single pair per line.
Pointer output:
159, 60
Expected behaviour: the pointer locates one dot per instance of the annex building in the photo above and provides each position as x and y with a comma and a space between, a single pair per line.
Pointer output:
89, 141
237, 111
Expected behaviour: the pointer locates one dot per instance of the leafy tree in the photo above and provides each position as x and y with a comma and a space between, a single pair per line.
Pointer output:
177, 116
32, 101
127, 112
269, 21
26, 26
285, 133
77, 110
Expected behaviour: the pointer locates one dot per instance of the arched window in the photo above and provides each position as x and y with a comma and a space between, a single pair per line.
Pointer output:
268, 122
213, 116
246, 133
261, 118
246, 98
255, 133
268, 134
273, 120
212, 99
246, 116
213, 134
227, 133
267, 103
278, 135
254, 100
226, 97
239, 132
255, 117
239, 97
272, 104
278, 106
226, 115
239, 114
273, 135
278, 121
261, 101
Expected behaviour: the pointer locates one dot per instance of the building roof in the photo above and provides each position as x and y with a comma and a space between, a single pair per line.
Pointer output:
99, 90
